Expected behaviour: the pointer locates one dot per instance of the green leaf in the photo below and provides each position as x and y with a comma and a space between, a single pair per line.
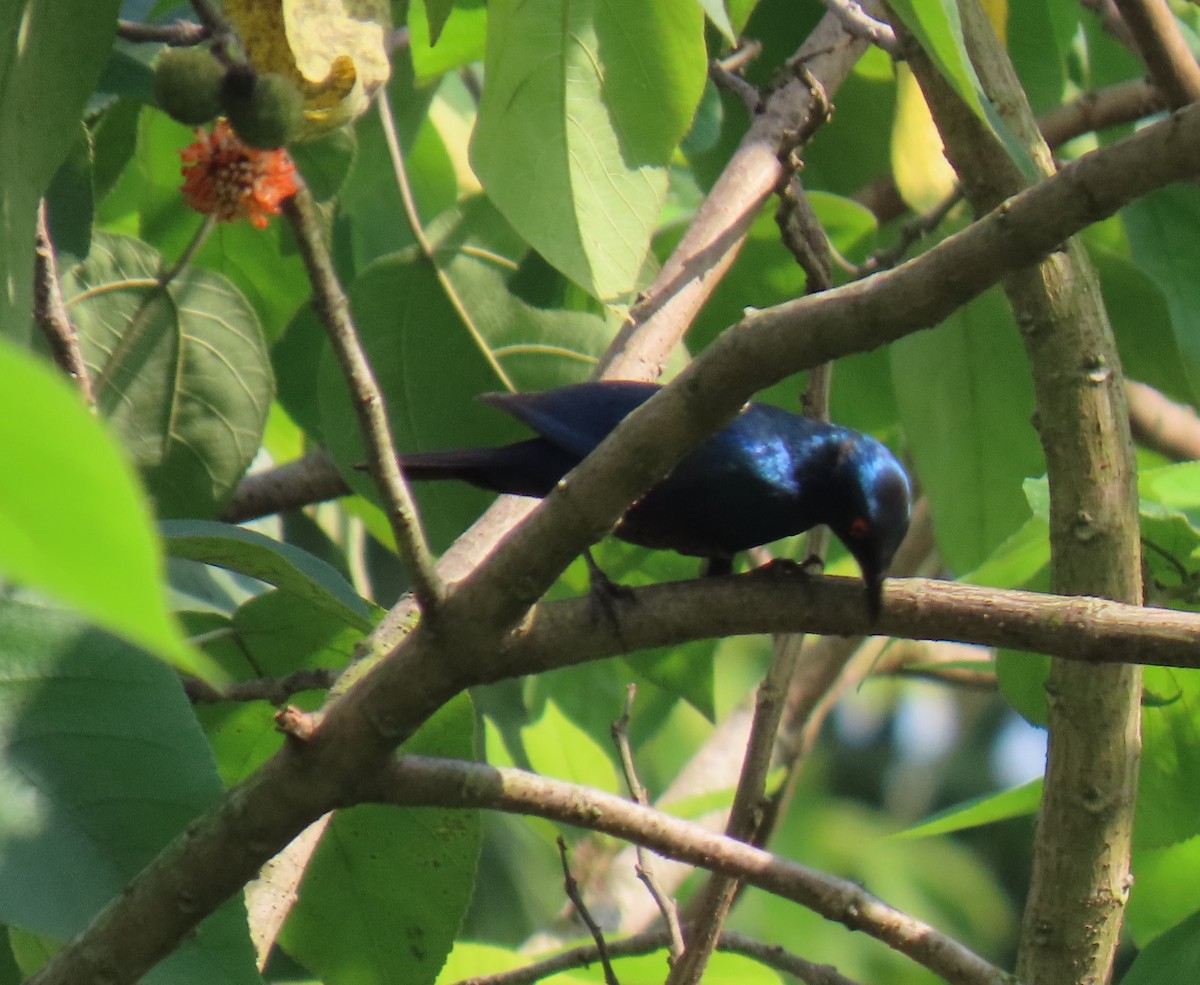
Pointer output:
272, 635
978, 811
325, 163
937, 27
447, 39
436, 14
411, 345
282, 565
386, 891
181, 372
965, 403
70, 205
73, 521
715, 9
1170, 770
50, 56
1022, 678
584, 105
557, 747
1165, 889
460, 314
30, 952
1017, 560
1173, 957
101, 763
1141, 321
1161, 226
1040, 36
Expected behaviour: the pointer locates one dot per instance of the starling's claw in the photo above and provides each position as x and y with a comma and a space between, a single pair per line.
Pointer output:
785, 566
603, 592
716, 566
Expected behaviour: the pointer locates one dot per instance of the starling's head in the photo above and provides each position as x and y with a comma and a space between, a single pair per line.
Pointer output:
872, 512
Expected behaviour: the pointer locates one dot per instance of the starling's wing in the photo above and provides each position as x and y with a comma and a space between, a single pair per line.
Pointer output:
575, 418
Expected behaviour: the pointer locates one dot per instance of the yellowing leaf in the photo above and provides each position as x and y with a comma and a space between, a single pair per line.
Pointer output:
923, 175
997, 12
334, 49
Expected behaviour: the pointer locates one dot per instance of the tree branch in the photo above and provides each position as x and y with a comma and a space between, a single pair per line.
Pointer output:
1080, 880
418, 780
50, 314
333, 310
1162, 47
1087, 631
308, 480
1162, 425
716, 233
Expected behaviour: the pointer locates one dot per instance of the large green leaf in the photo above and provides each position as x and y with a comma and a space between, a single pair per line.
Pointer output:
1141, 320
181, 372
1164, 890
965, 402
279, 564
73, 521
1161, 229
1173, 957
440, 332
977, 811
1170, 770
101, 763
51, 52
385, 893
583, 106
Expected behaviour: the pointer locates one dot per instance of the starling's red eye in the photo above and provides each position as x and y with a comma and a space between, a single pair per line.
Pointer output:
860, 526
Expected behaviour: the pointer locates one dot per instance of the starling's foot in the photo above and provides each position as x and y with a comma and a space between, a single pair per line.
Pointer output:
785, 566
716, 566
604, 593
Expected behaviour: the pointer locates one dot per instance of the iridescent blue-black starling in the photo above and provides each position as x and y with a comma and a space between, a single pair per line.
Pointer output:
769, 474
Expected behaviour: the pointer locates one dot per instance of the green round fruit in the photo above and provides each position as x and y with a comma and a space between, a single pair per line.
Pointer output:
267, 111
187, 85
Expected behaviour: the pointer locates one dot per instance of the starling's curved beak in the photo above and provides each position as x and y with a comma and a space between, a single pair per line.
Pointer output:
874, 586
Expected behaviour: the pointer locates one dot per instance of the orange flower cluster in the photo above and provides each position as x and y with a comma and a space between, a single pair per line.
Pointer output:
225, 178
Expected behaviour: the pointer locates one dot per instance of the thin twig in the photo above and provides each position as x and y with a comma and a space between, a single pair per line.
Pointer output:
724, 78
860, 24
403, 185
911, 232
273, 690
746, 52
583, 955
1159, 423
209, 16
1163, 48
667, 906
333, 309
180, 34
572, 890
50, 313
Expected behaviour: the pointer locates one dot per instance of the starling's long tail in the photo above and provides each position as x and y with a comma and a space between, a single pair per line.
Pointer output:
527, 468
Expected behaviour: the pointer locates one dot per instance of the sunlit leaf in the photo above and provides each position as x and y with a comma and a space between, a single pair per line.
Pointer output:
73, 521
181, 372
